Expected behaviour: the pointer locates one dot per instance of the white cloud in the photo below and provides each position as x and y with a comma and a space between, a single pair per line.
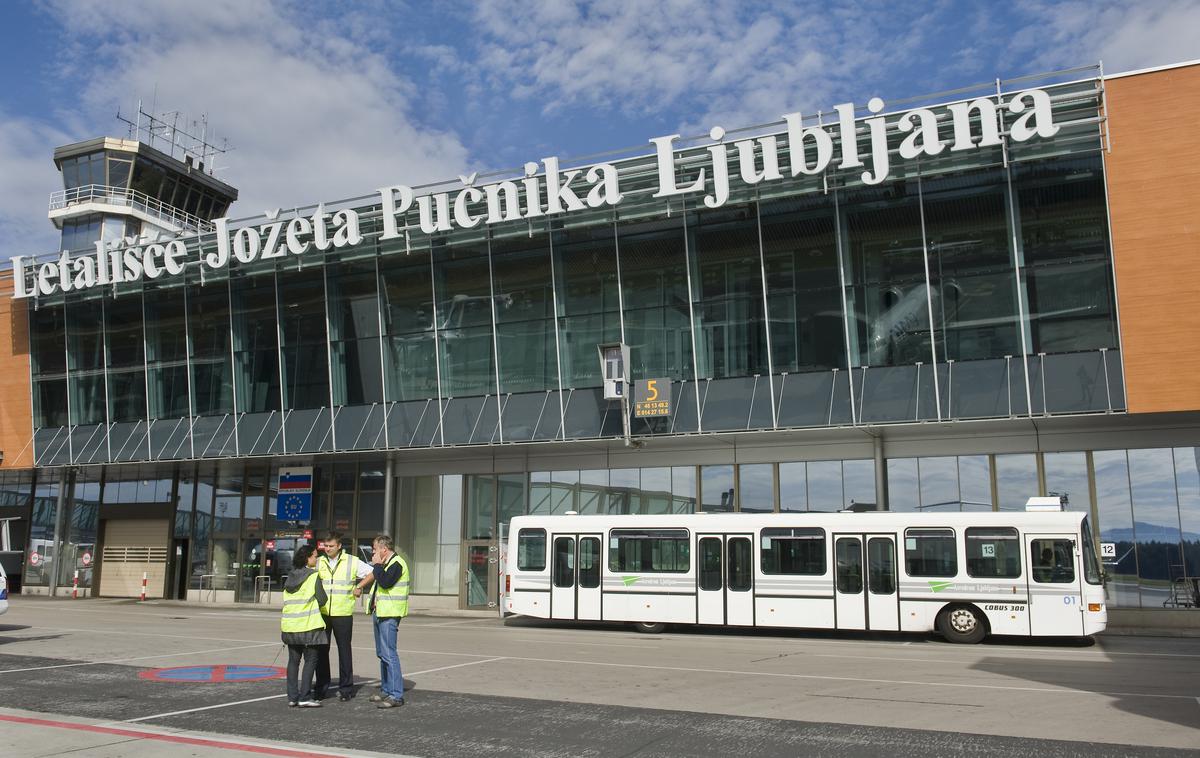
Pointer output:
726, 60
1125, 36
312, 111
26, 150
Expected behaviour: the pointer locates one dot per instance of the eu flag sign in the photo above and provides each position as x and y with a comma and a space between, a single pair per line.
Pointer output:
295, 494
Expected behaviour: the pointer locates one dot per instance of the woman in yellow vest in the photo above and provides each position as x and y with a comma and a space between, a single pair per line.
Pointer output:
303, 629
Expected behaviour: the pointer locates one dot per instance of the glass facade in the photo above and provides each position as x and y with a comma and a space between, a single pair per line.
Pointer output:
982, 291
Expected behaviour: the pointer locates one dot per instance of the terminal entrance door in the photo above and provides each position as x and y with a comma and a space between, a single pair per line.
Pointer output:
480, 564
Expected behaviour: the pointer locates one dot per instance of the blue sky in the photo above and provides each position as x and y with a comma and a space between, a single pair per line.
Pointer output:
322, 101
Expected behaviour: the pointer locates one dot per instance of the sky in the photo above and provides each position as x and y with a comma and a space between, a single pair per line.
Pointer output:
320, 101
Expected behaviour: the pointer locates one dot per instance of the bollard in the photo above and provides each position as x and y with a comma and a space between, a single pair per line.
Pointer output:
75, 586
143, 597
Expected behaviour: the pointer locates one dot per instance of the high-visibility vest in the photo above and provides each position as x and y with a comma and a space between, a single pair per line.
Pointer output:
300, 610
339, 584
392, 602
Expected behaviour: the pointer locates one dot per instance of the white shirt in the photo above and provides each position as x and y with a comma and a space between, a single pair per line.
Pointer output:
362, 569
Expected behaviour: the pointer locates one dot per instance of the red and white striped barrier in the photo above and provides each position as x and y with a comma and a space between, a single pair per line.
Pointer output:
75, 586
143, 597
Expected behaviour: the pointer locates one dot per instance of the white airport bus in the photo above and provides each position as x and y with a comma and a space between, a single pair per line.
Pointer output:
966, 575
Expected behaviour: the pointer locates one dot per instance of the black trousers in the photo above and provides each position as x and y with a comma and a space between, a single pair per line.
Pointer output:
339, 628
299, 686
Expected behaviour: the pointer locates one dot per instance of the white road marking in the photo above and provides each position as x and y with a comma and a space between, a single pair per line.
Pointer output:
448, 623
139, 658
861, 680
284, 694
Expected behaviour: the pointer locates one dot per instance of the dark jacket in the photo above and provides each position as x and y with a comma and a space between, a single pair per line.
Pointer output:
312, 636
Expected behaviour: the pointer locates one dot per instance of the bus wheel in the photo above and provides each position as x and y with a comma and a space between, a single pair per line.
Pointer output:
646, 628
962, 623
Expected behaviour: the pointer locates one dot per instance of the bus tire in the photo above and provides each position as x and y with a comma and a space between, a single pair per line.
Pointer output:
963, 624
648, 628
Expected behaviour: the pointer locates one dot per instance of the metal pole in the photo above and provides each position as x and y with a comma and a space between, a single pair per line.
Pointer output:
388, 494
64, 479
881, 491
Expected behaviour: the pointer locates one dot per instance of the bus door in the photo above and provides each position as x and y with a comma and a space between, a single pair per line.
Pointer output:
1055, 595
575, 577
865, 584
725, 579
883, 598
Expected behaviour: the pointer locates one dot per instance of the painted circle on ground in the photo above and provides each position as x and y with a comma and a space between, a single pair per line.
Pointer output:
212, 674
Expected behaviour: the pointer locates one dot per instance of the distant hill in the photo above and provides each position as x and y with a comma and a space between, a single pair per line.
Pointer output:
1147, 532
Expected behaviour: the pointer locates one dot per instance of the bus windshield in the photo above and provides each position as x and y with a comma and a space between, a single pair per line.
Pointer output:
1091, 566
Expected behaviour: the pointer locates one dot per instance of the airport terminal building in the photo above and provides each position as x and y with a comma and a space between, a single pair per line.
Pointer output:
952, 302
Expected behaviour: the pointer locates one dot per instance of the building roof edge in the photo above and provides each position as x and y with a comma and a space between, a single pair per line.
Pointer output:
1136, 72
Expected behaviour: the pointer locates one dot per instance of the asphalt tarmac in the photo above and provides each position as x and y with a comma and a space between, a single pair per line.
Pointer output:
73, 677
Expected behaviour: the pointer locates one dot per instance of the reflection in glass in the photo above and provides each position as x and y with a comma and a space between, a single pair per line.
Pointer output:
756, 488
1187, 482
654, 282
803, 293
585, 262
305, 351
354, 333
731, 338
1067, 475
716, 489
166, 356
256, 355
859, 482
1155, 523
903, 491
793, 487
885, 276
1068, 269
524, 304
970, 266
1115, 523
825, 486
407, 301
975, 482
1016, 480
208, 322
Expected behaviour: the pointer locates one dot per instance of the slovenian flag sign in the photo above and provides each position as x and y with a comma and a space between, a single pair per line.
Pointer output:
295, 480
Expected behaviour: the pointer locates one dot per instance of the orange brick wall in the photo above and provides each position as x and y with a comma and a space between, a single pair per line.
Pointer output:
16, 412
1154, 201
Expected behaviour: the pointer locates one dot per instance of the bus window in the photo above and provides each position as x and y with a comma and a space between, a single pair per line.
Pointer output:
589, 562
881, 566
564, 561
930, 552
741, 563
665, 551
531, 550
993, 552
710, 564
793, 551
849, 565
1053, 561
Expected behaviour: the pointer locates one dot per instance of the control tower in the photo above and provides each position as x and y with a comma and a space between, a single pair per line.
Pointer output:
116, 188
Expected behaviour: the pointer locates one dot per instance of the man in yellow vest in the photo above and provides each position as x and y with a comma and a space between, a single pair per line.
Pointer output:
344, 577
389, 604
